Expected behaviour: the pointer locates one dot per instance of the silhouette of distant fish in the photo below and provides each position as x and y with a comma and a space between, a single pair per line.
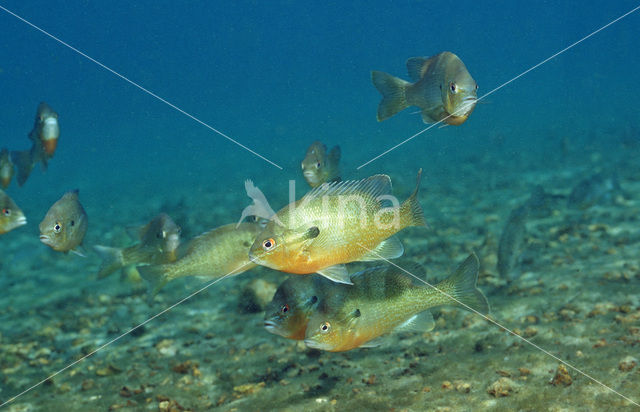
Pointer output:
512, 242
593, 190
443, 89
6, 168
44, 137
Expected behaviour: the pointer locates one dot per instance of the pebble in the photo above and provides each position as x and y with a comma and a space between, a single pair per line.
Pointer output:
502, 387
561, 377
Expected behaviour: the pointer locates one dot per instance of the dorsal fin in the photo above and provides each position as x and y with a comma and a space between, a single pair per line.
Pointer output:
374, 186
417, 66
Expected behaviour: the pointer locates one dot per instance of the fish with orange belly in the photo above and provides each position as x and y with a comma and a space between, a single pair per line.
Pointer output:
384, 299
443, 89
293, 304
6, 168
334, 224
11, 216
44, 135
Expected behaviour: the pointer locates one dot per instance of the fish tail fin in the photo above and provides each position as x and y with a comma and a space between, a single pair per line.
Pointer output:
112, 260
410, 210
156, 275
23, 162
392, 90
461, 286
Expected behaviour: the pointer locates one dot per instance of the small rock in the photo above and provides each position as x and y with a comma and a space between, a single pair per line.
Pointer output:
561, 377
462, 387
502, 387
627, 364
87, 384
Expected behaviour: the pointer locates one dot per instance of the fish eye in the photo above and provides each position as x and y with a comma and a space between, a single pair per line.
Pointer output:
73, 223
57, 227
318, 165
314, 299
285, 308
268, 244
324, 328
476, 86
6, 211
453, 87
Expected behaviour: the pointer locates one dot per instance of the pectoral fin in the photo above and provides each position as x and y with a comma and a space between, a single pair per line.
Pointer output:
337, 273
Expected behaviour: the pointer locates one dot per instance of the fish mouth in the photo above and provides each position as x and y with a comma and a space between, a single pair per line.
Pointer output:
45, 239
21, 221
255, 259
313, 344
271, 326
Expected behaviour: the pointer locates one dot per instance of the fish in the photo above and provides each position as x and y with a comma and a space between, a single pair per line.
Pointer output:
216, 253
44, 137
6, 168
512, 242
337, 223
159, 240
384, 299
540, 203
320, 167
443, 89
65, 224
11, 216
46, 129
292, 305
597, 188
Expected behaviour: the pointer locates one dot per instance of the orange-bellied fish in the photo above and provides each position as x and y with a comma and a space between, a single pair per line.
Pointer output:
11, 216
334, 224
216, 253
319, 167
65, 224
159, 240
384, 299
44, 137
46, 129
443, 89
295, 300
6, 168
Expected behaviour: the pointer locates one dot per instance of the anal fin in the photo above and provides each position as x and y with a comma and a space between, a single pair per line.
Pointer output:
336, 273
422, 322
390, 248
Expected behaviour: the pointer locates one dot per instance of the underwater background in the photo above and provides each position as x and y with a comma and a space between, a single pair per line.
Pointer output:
275, 76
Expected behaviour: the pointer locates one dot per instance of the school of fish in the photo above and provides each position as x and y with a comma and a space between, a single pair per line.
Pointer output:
336, 223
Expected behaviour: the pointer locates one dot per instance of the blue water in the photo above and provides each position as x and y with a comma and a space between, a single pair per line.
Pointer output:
276, 76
